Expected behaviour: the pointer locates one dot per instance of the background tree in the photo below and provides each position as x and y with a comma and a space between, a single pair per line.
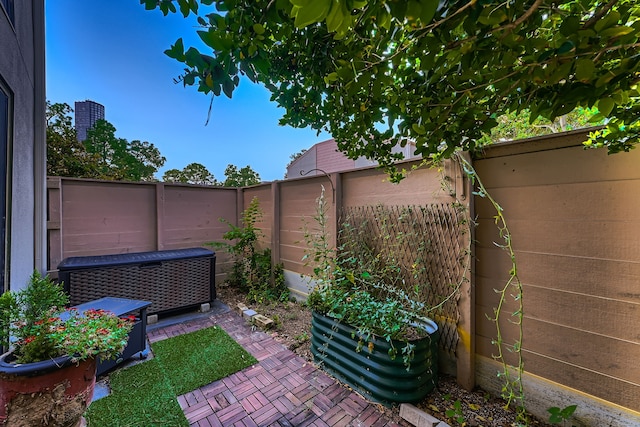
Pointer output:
193, 173
374, 72
240, 178
293, 158
514, 126
66, 156
119, 159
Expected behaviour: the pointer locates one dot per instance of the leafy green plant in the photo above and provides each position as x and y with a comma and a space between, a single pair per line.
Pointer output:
358, 296
252, 272
559, 415
512, 386
36, 326
320, 252
303, 337
277, 322
455, 412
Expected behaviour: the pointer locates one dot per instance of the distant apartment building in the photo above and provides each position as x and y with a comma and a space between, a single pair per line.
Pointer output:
87, 114
325, 157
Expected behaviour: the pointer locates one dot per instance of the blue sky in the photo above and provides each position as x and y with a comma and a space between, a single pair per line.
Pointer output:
112, 52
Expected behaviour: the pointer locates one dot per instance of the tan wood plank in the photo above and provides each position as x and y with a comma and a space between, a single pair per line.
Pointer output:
573, 274
615, 390
573, 164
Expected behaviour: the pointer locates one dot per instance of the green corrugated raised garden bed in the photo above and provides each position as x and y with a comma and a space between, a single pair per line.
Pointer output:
371, 371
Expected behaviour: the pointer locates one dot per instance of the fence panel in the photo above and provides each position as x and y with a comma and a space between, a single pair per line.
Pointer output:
572, 215
91, 217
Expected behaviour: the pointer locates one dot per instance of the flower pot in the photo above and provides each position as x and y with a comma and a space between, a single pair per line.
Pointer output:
373, 373
49, 393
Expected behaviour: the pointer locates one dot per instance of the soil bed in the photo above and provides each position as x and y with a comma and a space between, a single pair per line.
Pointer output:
292, 327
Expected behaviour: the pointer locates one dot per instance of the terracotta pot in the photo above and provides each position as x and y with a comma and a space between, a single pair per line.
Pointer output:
49, 393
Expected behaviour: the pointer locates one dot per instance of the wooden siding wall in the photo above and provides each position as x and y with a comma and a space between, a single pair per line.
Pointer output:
266, 203
298, 205
298, 202
88, 217
573, 217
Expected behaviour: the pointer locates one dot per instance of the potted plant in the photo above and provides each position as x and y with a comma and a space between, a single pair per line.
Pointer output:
367, 331
48, 375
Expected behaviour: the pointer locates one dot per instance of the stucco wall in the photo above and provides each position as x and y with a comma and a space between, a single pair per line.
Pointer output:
22, 70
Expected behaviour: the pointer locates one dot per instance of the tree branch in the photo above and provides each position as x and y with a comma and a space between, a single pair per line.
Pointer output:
599, 14
510, 27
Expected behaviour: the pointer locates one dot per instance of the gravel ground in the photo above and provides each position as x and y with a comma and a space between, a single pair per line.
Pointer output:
448, 402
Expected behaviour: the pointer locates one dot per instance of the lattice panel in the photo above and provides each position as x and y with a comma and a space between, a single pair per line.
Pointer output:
419, 249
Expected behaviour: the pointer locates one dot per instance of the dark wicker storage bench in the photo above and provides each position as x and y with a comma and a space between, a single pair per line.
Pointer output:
172, 280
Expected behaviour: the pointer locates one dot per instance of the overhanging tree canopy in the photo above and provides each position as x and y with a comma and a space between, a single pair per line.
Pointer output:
374, 73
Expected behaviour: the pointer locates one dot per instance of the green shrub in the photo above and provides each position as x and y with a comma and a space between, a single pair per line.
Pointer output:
253, 272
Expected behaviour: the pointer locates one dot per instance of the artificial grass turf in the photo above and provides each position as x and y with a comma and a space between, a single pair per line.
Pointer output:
145, 394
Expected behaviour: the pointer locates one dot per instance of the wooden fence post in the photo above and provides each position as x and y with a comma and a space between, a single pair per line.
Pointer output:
54, 224
275, 225
465, 352
160, 216
336, 179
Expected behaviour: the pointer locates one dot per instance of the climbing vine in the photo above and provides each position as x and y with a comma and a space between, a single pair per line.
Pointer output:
512, 387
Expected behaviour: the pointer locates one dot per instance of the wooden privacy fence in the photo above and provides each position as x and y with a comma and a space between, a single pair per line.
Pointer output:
572, 213
91, 217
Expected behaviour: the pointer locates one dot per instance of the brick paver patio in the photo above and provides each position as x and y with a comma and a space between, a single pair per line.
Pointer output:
281, 390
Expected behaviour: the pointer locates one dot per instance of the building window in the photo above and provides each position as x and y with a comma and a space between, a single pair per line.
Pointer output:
5, 135
8, 7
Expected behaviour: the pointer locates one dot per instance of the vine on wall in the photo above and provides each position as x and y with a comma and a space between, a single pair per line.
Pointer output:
512, 387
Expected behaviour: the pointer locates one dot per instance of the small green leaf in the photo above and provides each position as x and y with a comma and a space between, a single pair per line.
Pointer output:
383, 19
570, 25
420, 130
258, 28
176, 51
566, 47
227, 87
331, 77
607, 21
429, 8
605, 106
585, 69
413, 10
492, 16
313, 12
560, 73
617, 31
336, 16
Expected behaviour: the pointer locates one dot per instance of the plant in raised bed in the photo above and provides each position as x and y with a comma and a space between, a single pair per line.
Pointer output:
366, 330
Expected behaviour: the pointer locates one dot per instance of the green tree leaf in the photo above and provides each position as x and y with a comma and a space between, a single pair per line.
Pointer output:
311, 12
439, 73
605, 105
